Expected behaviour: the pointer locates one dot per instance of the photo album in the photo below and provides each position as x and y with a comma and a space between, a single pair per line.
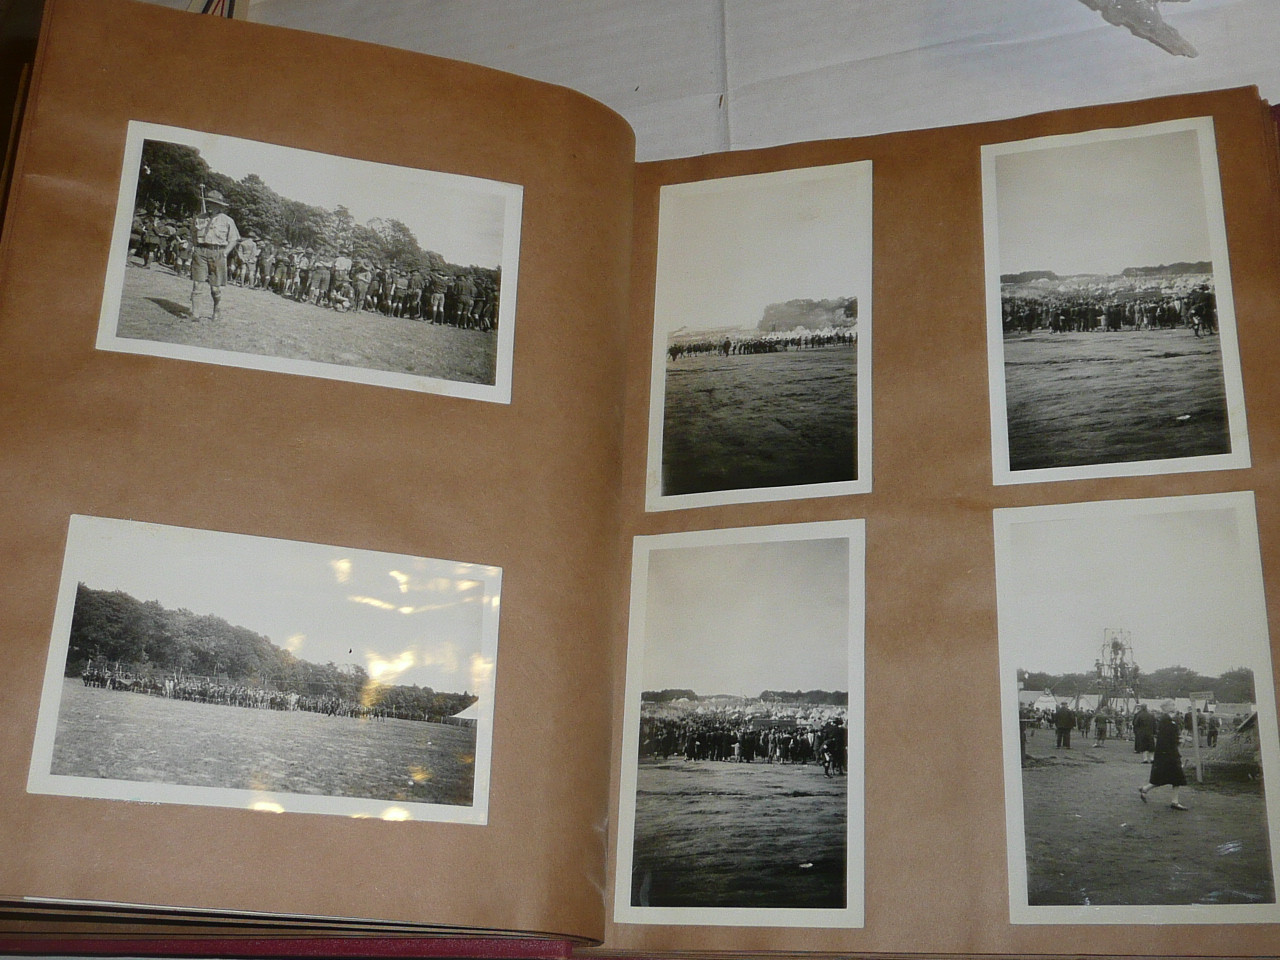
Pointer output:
426, 521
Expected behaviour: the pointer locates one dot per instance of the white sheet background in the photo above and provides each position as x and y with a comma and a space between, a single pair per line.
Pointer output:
696, 76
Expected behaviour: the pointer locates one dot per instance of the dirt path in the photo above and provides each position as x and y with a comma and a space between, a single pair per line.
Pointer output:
155, 305
1090, 840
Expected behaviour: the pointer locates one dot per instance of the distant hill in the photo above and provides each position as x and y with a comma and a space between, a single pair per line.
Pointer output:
1163, 270
1169, 270
666, 696
1028, 276
837, 698
809, 315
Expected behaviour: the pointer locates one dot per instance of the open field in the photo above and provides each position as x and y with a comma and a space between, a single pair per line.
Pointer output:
156, 303
1090, 840
118, 735
1075, 399
714, 834
760, 420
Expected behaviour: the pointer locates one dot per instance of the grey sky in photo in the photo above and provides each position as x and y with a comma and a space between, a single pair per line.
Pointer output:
418, 620
728, 248
1099, 207
1185, 583
744, 617
452, 215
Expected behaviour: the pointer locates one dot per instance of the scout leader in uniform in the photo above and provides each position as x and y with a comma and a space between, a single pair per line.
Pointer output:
214, 235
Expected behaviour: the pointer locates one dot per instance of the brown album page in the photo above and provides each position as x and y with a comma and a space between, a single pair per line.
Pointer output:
450, 475
938, 661
422, 517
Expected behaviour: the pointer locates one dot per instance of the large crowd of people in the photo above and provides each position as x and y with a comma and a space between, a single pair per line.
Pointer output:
227, 693
329, 276
735, 346
719, 737
1194, 309
1115, 723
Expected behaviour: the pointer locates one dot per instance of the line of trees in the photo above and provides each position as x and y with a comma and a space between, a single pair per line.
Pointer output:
666, 696
147, 638
809, 314
169, 182
1232, 686
837, 698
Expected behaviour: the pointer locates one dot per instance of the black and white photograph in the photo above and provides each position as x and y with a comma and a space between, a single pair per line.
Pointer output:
251, 254
741, 798
1110, 321
761, 372
1139, 720
199, 667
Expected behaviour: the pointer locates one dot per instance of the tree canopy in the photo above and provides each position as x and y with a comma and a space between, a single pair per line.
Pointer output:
172, 175
838, 698
113, 626
1232, 686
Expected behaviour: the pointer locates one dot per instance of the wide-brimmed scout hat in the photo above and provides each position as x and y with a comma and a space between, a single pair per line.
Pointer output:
213, 196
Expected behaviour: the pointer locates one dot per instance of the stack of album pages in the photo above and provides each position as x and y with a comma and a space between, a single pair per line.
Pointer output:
422, 519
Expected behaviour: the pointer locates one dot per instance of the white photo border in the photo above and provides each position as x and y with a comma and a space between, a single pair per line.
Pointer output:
853, 913
860, 172
1238, 458
1020, 911
85, 536
107, 339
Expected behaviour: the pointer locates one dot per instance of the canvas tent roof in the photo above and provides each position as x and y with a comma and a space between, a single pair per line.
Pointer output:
470, 715
1038, 699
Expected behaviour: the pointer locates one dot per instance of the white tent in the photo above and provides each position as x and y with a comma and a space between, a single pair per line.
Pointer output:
466, 718
1043, 702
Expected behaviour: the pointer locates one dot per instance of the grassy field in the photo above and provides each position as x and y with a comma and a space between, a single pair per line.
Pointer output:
714, 834
1090, 840
1077, 399
760, 420
156, 303
117, 735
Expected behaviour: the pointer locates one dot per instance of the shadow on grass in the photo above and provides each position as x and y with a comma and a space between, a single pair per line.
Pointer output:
182, 310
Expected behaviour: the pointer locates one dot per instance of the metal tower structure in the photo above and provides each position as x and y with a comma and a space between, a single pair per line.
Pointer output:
1116, 670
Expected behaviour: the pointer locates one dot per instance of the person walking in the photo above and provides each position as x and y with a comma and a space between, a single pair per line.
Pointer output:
1166, 768
1100, 728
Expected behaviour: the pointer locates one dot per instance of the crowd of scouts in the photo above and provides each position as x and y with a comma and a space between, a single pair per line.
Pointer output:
211, 690
322, 275
1195, 310
732, 346
721, 737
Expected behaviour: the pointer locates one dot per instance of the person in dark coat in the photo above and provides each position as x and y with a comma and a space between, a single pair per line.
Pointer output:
1064, 721
1167, 765
1144, 733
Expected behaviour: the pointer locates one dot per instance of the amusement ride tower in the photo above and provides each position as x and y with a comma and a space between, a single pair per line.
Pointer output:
1117, 672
